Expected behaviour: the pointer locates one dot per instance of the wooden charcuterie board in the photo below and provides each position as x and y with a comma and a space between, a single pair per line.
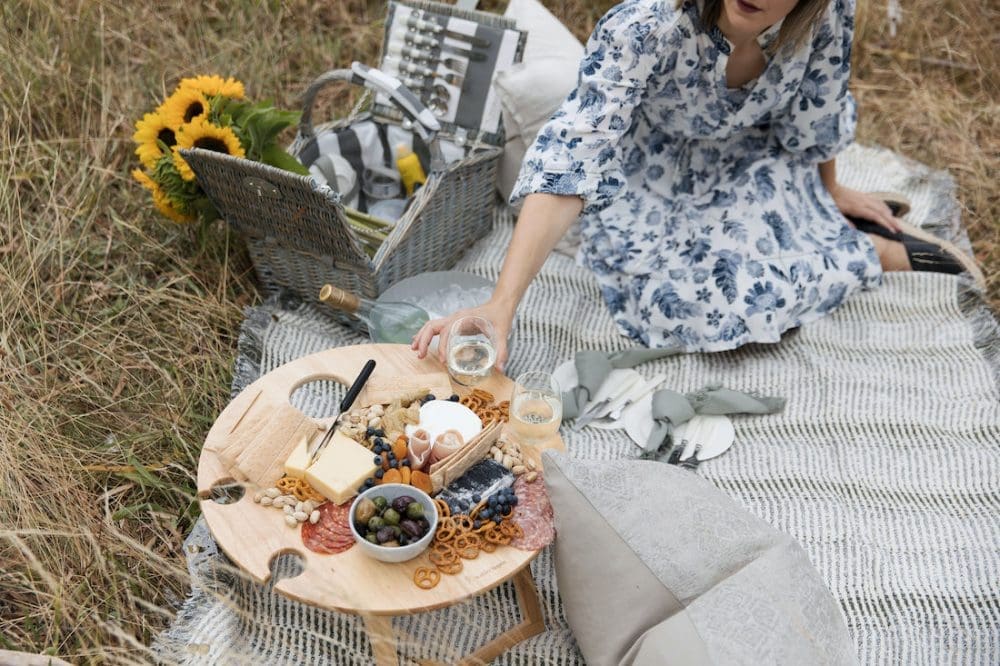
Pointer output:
252, 535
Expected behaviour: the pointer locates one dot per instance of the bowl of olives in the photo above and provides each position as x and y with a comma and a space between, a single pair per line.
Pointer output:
393, 522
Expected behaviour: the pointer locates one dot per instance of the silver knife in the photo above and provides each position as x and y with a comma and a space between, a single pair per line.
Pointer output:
345, 404
421, 25
421, 41
591, 414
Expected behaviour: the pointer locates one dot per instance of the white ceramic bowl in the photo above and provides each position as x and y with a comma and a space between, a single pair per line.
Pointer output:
398, 553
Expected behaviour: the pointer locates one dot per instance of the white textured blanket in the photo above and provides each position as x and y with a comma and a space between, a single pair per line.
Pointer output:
885, 465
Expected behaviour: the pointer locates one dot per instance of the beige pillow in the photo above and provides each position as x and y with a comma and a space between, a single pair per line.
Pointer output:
532, 90
656, 566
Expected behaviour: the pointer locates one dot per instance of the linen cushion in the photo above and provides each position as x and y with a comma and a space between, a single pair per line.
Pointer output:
656, 566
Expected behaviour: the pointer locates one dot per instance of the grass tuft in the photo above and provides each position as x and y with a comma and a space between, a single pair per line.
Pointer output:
118, 329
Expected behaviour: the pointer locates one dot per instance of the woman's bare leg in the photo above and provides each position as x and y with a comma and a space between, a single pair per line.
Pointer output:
891, 253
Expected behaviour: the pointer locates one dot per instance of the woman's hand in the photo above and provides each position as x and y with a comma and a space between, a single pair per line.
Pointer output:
499, 315
863, 205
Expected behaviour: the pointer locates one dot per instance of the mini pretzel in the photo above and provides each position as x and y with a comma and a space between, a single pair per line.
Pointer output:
451, 569
426, 578
498, 537
443, 559
442, 508
486, 527
485, 396
444, 533
462, 522
487, 547
466, 540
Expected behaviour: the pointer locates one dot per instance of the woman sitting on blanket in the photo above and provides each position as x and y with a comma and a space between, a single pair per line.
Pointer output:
699, 147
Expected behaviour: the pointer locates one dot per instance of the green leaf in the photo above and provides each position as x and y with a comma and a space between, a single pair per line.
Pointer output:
276, 156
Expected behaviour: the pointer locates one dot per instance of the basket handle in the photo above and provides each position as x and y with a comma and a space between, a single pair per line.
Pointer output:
424, 122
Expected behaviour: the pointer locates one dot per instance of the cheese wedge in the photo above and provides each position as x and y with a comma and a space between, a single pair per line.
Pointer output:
341, 469
298, 460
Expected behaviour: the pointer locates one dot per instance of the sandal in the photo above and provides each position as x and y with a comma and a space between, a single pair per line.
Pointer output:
925, 251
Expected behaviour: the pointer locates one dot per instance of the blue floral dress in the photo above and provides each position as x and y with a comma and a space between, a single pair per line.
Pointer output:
705, 219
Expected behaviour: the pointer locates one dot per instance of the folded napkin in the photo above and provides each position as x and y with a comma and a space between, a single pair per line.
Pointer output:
670, 408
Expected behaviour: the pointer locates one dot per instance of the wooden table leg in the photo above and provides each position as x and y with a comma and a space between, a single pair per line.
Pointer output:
531, 623
383, 640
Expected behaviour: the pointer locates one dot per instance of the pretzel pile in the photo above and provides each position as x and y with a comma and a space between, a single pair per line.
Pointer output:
457, 539
482, 403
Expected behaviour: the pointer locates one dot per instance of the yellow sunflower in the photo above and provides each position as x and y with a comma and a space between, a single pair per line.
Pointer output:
183, 106
149, 132
160, 199
210, 86
199, 133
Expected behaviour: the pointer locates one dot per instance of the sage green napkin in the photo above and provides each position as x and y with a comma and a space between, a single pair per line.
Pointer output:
670, 408
592, 367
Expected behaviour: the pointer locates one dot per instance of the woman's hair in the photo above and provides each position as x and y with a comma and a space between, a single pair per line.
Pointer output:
795, 29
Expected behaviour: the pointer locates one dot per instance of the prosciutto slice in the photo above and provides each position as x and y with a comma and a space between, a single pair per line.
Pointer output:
420, 449
446, 444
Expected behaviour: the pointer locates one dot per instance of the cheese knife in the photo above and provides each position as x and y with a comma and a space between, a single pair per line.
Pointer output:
345, 404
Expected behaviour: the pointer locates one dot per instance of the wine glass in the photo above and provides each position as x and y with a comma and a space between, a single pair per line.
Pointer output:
471, 350
535, 407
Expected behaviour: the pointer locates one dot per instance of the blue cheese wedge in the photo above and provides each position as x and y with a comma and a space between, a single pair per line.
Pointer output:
341, 468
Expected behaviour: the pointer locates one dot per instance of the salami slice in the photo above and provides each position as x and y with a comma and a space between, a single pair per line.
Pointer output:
331, 534
534, 514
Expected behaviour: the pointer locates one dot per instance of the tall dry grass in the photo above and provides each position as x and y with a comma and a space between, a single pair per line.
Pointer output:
117, 330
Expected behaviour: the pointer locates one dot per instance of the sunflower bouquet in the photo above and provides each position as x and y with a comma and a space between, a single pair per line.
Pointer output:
211, 113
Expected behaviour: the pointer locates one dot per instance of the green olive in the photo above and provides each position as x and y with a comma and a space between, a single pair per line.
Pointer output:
365, 510
415, 510
375, 523
391, 517
380, 503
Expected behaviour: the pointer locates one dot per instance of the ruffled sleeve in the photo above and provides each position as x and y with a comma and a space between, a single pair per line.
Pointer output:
577, 151
823, 114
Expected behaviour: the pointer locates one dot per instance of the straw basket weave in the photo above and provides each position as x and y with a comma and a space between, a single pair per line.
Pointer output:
300, 236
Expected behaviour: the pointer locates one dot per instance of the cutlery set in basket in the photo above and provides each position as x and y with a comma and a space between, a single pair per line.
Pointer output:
432, 96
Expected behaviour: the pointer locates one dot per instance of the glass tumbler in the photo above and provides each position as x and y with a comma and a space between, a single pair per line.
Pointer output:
471, 350
535, 407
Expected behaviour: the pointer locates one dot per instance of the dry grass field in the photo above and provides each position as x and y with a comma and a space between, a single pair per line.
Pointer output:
118, 329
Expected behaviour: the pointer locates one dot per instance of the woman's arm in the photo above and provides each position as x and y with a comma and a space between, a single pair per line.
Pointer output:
855, 203
544, 219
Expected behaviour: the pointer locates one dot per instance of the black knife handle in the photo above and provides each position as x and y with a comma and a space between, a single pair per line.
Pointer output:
359, 383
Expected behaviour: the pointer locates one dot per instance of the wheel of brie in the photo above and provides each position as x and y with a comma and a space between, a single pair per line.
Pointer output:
438, 416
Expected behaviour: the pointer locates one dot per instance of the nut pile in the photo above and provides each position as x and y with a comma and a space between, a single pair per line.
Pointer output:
508, 453
296, 511
358, 422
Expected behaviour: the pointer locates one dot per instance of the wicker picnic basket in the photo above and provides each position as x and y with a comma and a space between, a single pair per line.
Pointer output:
299, 234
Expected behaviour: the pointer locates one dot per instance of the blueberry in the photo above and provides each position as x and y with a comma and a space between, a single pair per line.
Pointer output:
405, 462
379, 474
430, 396
477, 498
379, 432
392, 456
369, 432
506, 510
378, 440
377, 460
393, 464
369, 482
362, 488
485, 514
454, 397
513, 500
476, 524
493, 501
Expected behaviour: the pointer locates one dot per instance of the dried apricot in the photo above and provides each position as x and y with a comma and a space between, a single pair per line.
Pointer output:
392, 476
421, 481
399, 448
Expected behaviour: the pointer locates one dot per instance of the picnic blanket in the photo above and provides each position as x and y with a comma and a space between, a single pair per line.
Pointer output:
884, 465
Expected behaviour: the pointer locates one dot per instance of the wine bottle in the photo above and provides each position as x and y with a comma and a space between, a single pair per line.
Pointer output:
386, 321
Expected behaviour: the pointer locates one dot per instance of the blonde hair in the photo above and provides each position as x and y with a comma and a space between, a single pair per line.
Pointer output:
795, 29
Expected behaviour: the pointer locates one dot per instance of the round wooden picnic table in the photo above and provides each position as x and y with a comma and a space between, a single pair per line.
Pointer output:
252, 536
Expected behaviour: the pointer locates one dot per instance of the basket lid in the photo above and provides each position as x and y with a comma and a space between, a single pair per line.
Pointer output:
449, 57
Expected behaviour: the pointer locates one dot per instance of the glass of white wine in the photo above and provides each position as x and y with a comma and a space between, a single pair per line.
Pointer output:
471, 350
535, 407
